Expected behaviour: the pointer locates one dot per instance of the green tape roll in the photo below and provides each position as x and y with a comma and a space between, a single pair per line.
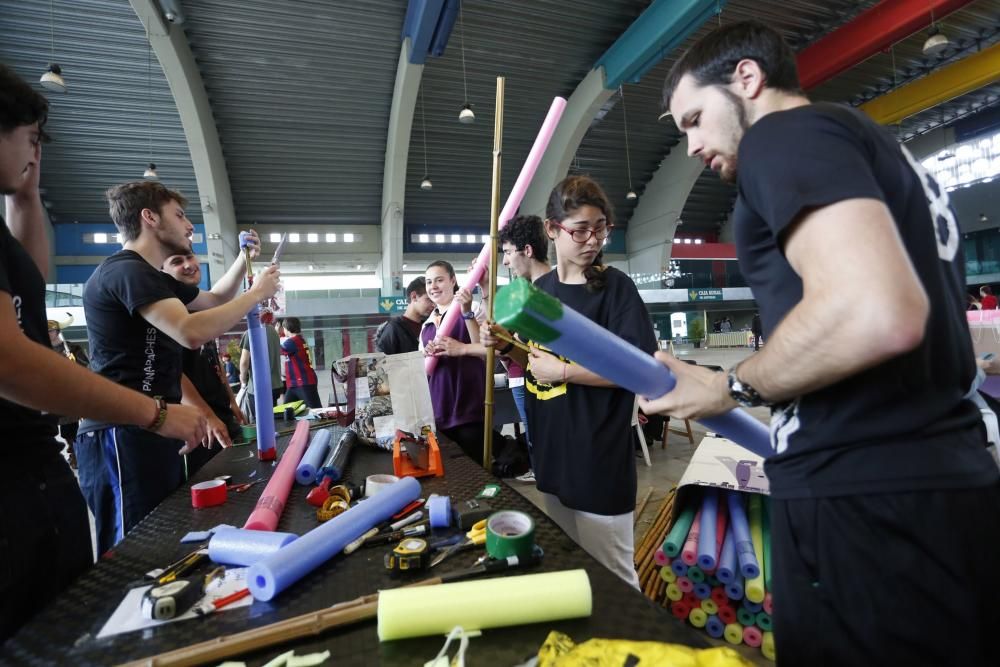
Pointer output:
509, 533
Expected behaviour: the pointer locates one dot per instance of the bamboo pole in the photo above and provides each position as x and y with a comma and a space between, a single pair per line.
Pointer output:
494, 224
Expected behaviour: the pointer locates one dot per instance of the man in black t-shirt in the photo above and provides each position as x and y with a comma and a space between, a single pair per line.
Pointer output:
202, 368
885, 503
138, 319
402, 334
44, 531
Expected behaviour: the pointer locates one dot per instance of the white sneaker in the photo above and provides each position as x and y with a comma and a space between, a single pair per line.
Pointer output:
527, 477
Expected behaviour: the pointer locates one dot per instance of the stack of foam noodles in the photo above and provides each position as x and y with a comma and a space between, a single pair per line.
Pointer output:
707, 557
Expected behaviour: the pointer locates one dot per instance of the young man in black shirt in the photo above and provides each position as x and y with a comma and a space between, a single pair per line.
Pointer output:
402, 334
885, 501
138, 319
202, 368
44, 532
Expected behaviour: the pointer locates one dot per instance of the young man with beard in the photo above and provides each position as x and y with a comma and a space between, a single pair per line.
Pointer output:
854, 256
44, 532
138, 319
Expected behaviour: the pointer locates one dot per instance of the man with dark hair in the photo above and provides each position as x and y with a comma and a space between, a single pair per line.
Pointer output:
402, 333
45, 536
854, 257
202, 367
138, 319
300, 378
525, 250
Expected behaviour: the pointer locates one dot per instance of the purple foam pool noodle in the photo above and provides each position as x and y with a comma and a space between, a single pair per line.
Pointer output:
749, 567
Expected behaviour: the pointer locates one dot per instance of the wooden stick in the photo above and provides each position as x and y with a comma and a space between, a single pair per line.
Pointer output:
306, 625
513, 341
642, 506
492, 287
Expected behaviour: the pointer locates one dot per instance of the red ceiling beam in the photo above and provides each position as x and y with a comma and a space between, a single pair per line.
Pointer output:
871, 32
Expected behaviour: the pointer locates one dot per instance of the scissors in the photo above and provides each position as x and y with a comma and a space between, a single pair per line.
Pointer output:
475, 537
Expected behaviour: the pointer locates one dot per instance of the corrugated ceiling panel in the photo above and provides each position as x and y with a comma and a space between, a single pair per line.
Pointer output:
301, 93
100, 127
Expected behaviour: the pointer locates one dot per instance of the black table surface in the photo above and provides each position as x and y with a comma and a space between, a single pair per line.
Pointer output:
65, 632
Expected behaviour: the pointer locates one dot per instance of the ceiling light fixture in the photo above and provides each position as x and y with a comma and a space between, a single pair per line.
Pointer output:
425, 184
630, 195
52, 78
465, 116
936, 41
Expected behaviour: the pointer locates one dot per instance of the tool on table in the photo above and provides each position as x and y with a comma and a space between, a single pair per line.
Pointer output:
409, 555
332, 506
217, 604
416, 456
181, 567
471, 512
161, 603
475, 537
396, 535
243, 486
412, 507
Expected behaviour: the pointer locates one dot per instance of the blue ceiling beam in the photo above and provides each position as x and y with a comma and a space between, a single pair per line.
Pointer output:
428, 24
659, 30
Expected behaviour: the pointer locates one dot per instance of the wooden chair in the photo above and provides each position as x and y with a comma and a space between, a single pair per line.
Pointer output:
686, 431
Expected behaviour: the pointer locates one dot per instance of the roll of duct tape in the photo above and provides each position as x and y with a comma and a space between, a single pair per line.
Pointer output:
375, 483
208, 494
509, 533
439, 509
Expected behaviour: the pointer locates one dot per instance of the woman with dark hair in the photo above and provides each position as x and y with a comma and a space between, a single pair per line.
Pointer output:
458, 383
580, 424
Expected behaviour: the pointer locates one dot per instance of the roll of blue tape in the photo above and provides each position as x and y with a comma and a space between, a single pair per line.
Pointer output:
439, 508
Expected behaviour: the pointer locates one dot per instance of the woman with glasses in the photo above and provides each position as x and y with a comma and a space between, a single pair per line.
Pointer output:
580, 424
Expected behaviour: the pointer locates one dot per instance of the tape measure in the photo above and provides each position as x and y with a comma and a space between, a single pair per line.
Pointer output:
161, 603
410, 554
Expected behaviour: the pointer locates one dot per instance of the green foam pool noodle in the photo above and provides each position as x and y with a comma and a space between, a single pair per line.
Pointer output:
733, 633
767, 543
679, 532
754, 588
483, 604
767, 645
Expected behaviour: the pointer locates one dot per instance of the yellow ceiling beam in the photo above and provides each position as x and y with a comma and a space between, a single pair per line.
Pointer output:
945, 84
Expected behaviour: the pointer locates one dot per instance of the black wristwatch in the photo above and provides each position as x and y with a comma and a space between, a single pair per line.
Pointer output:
742, 392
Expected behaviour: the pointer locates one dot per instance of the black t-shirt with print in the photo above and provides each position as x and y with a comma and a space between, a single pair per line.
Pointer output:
124, 347
903, 424
582, 441
202, 368
23, 429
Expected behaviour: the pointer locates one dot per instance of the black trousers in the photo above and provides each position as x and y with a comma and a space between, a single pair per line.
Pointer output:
44, 537
307, 393
469, 437
889, 579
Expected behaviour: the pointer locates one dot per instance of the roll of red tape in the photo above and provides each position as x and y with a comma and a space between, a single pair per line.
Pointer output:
208, 494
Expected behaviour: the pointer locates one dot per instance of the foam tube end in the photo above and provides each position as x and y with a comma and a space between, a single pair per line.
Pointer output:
484, 604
